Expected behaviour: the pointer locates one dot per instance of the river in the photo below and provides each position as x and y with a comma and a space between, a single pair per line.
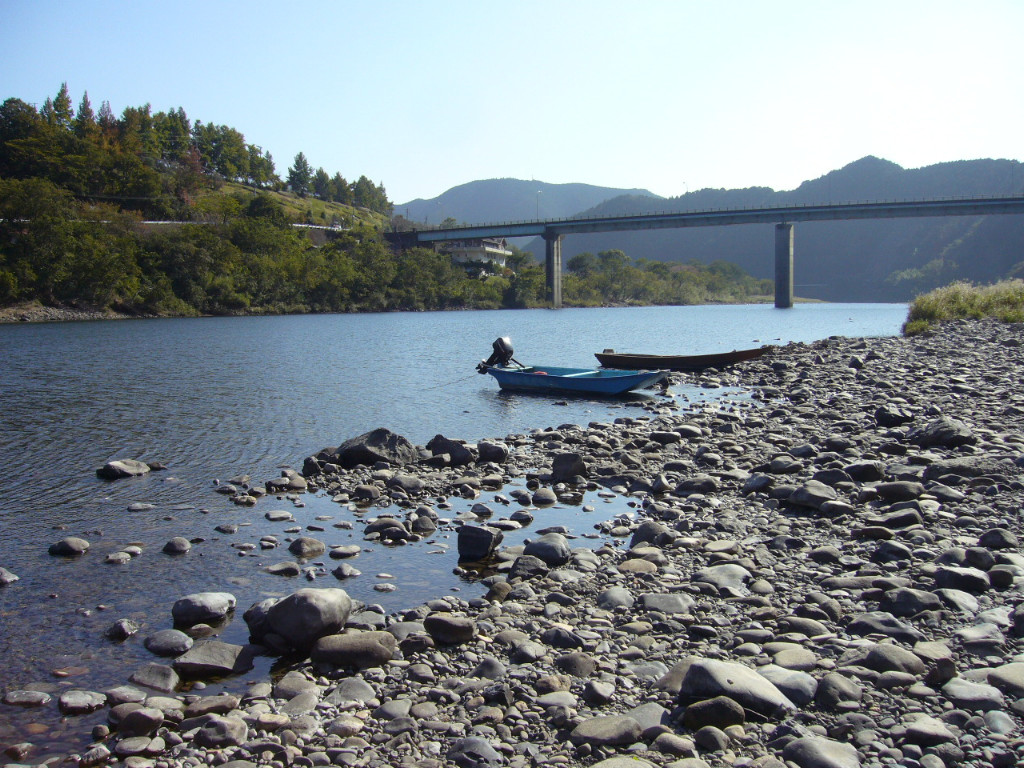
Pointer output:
216, 397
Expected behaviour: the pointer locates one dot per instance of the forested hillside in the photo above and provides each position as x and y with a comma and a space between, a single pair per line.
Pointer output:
154, 213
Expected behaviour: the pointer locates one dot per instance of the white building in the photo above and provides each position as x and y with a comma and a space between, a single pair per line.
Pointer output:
480, 251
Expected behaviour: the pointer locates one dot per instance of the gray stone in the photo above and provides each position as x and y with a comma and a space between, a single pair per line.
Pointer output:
297, 621
797, 686
969, 695
724, 576
478, 542
377, 445
360, 650
668, 603
78, 702
72, 546
448, 629
352, 689
884, 657
551, 548
606, 731
812, 494
944, 431
121, 468
307, 547
819, 752
474, 752
179, 545
883, 623
905, 601
928, 731
17, 698
202, 608
966, 579
720, 711
834, 688
1009, 678
707, 678
159, 677
615, 597
568, 466
140, 722
219, 732
209, 658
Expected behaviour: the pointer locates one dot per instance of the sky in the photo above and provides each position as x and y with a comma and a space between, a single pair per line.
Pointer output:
665, 95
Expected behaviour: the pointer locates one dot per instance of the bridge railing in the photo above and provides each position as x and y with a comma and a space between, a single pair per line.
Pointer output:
765, 208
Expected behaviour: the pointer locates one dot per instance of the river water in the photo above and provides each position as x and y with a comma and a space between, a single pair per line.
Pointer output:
216, 397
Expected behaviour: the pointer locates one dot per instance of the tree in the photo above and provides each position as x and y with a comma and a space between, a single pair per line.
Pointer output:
582, 264
84, 125
322, 184
300, 175
62, 111
18, 121
341, 192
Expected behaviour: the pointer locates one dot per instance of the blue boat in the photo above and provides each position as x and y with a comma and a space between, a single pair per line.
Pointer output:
511, 374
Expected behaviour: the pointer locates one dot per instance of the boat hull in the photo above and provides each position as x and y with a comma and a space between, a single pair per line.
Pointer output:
574, 380
624, 360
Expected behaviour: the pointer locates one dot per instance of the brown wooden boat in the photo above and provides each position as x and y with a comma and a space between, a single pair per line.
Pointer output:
612, 359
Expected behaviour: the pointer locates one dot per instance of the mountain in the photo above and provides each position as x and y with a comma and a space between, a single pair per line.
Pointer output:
870, 260
493, 200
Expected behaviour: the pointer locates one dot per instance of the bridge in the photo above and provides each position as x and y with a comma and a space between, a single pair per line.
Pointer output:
554, 230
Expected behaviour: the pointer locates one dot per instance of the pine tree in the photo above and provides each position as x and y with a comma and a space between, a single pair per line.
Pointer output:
300, 175
85, 121
63, 114
322, 184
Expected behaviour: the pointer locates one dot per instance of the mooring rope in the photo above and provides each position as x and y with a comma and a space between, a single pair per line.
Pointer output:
449, 383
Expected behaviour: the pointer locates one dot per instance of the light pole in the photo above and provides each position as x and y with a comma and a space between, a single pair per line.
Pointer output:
538, 204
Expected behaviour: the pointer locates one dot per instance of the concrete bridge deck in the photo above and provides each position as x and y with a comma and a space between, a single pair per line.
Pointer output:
553, 230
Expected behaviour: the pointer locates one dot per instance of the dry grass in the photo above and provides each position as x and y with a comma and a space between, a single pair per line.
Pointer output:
1003, 301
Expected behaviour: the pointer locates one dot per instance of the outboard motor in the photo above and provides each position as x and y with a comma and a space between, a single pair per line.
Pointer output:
502, 355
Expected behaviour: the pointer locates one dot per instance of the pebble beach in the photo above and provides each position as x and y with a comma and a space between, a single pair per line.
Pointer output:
828, 575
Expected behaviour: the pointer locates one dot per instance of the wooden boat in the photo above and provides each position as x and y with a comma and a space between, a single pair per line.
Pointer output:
612, 359
511, 374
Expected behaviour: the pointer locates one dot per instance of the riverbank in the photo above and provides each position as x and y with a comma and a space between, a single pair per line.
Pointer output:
34, 312
832, 578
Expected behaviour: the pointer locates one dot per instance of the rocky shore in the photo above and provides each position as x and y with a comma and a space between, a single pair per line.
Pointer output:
34, 312
828, 576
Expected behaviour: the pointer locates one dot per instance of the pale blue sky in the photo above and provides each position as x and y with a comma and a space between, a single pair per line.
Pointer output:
671, 96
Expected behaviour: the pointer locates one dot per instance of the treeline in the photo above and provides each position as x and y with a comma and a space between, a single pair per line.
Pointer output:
60, 250
612, 277
77, 188
153, 163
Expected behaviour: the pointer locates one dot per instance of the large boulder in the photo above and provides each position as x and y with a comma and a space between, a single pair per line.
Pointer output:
377, 445
552, 548
478, 542
707, 678
566, 467
458, 452
213, 657
358, 649
944, 432
296, 622
202, 608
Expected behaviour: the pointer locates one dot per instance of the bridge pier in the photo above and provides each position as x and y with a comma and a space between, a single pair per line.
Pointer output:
783, 266
553, 268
